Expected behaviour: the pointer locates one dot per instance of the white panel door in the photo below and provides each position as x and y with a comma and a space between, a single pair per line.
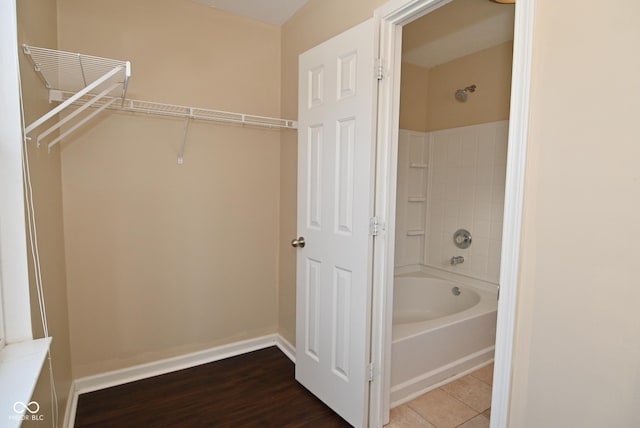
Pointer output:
337, 92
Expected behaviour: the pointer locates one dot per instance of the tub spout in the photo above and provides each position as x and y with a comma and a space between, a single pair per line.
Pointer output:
456, 260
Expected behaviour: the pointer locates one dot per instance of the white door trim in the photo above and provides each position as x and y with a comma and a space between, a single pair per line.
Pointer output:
392, 16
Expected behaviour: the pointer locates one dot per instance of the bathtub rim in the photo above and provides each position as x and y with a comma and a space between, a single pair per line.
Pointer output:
430, 271
439, 290
488, 303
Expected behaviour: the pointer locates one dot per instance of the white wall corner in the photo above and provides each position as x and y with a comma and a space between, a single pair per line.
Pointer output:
286, 347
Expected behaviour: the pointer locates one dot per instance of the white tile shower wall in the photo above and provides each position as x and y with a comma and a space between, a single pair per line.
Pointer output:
411, 207
447, 180
467, 178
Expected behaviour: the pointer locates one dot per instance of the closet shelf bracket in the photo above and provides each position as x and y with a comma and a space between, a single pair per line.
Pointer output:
184, 141
79, 75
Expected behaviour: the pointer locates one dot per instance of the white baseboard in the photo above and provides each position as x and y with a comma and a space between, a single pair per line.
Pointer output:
144, 371
286, 347
426, 382
70, 409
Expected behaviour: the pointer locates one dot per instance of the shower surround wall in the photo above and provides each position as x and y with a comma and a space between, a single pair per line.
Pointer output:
447, 180
467, 191
411, 206
452, 163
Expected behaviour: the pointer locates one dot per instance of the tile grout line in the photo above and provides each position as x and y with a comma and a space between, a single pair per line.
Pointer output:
474, 416
455, 398
475, 377
480, 380
465, 404
420, 416
459, 400
477, 413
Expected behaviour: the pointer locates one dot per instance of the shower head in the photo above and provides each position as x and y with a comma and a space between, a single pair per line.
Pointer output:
461, 94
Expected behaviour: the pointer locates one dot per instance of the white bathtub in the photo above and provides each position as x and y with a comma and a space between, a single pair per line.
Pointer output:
437, 334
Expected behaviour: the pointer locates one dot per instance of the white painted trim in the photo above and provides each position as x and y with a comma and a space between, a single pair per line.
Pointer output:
156, 368
414, 388
20, 367
392, 16
512, 223
71, 407
286, 347
14, 277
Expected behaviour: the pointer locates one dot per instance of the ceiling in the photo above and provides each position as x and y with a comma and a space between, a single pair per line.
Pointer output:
275, 12
452, 31
455, 30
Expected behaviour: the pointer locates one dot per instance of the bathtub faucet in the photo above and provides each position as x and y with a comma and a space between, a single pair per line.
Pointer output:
456, 260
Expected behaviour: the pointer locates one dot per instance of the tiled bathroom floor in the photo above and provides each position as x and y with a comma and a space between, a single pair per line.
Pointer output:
463, 403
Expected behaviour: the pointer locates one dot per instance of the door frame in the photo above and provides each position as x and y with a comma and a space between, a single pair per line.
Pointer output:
391, 17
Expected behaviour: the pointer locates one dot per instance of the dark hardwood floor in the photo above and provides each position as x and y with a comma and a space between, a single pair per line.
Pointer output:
251, 390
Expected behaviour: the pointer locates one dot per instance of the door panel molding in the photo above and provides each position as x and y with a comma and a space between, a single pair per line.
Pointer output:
336, 155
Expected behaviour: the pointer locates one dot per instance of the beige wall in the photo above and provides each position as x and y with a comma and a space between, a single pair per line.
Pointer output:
181, 52
577, 355
490, 70
427, 100
576, 360
37, 26
414, 90
165, 259
314, 23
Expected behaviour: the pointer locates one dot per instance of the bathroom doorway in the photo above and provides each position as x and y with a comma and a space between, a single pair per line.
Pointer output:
395, 18
451, 171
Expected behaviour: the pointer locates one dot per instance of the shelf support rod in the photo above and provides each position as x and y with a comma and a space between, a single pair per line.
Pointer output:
75, 113
79, 124
184, 138
73, 99
125, 84
84, 78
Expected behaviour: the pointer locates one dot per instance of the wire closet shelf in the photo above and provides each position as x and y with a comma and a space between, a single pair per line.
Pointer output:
88, 81
197, 113
79, 74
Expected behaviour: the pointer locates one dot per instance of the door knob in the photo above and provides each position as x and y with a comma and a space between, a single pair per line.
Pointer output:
299, 242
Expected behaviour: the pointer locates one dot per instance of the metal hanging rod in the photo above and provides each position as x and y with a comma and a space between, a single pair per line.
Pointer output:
161, 109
